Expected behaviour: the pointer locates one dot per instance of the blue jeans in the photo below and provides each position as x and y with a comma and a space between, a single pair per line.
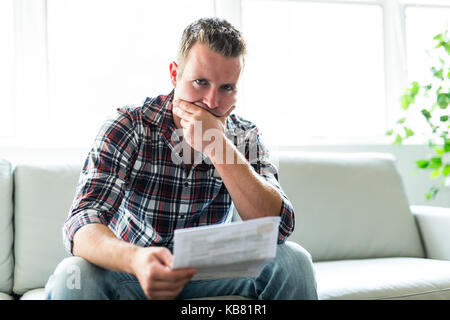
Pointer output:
289, 276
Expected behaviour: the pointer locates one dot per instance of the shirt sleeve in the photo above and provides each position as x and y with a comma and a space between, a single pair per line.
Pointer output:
103, 178
259, 157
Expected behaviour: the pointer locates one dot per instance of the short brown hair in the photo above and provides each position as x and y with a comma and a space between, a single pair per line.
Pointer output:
217, 34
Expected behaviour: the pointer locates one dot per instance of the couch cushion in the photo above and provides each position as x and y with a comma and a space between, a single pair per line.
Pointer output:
39, 294
348, 205
383, 278
35, 294
6, 227
43, 196
4, 296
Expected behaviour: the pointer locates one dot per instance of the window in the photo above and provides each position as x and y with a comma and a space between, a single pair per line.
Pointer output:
105, 54
315, 70
7, 68
318, 72
422, 23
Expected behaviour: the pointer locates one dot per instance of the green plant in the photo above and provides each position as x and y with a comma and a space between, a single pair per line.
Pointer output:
430, 101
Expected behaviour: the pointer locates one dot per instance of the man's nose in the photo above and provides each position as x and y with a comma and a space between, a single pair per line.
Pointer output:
212, 99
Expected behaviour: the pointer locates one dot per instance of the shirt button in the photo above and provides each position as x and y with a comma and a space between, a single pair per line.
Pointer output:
186, 184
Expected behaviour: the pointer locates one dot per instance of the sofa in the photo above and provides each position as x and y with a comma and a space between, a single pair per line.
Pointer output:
352, 215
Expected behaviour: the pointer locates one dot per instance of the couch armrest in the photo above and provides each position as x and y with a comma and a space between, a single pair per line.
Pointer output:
434, 227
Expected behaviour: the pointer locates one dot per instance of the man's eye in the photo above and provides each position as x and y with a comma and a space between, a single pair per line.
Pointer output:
200, 82
227, 87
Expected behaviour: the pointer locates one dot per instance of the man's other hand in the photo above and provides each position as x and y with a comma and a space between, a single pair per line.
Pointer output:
153, 268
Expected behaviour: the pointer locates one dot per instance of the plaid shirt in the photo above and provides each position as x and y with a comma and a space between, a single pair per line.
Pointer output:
132, 182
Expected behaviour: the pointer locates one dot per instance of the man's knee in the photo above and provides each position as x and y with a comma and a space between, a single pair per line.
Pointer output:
296, 264
292, 254
73, 278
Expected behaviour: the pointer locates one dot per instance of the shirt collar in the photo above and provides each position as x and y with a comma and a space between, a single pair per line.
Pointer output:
158, 111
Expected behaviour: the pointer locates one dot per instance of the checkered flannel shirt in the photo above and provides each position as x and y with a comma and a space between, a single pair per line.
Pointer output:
132, 182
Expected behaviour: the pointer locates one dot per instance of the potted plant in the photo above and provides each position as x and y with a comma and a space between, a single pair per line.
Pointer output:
430, 100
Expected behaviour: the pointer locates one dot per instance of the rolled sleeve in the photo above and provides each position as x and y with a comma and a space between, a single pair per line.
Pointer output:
287, 222
75, 222
104, 177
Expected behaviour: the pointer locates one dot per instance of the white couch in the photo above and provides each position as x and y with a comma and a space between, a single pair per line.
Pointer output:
352, 215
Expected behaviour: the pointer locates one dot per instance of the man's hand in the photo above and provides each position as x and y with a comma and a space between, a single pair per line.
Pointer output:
152, 267
195, 121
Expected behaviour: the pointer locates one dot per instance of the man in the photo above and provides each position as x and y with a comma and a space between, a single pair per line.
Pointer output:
136, 187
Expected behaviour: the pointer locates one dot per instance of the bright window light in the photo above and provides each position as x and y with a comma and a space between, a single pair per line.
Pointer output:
422, 24
314, 70
105, 54
7, 68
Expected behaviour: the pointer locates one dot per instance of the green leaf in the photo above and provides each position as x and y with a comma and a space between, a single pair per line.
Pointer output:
414, 89
398, 140
409, 132
409, 95
439, 37
436, 163
426, 114
443, 100
447, 145
431, 194
442, 39
446, 170
446, 46
436, 173
444, 118
406, 100
437, 73
439, 151
422, 164
401, 120
390, 132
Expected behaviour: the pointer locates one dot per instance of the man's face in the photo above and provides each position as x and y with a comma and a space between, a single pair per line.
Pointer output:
208, 80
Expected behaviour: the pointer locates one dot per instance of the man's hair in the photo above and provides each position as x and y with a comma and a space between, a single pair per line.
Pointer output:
217, 34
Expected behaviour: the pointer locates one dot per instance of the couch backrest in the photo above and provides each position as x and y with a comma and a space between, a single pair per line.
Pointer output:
43, 196
6, 227
349, 205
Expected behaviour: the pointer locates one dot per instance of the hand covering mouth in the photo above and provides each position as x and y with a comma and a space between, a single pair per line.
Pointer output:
205, 107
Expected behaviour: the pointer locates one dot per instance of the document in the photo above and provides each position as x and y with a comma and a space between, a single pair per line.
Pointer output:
233, 250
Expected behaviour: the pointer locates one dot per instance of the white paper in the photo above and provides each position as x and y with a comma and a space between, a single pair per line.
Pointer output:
233, 250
